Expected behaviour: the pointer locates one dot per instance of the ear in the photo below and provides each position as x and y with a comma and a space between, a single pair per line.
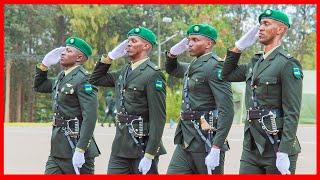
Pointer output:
281, 30
79, 58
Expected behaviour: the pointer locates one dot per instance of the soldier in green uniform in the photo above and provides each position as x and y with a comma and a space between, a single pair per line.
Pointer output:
207, 108
73, 147
140, 101
273, 97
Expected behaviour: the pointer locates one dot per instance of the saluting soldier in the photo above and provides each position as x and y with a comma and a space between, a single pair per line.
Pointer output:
140, 101
273, 97
73, 147
207, 107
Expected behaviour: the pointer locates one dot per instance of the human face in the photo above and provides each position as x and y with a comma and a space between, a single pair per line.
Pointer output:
198, 45
268, 31
70, 56
137, 46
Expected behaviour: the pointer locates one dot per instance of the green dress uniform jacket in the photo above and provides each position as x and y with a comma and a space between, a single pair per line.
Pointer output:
144, 94
207, 92
73, 100
278, 85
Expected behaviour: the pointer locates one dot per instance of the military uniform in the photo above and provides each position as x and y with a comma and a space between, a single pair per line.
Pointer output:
205, 92
142, 92
75, 114
71, 99
272, 84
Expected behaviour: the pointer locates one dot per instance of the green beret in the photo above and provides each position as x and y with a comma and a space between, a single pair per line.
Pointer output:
275, 15
204, 30
80, 44
144, 33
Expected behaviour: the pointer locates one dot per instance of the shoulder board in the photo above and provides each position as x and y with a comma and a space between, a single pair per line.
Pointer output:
217, 58
84, 71
286, 54
153, 66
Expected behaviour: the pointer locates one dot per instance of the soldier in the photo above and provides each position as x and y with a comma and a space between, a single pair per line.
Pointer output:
110, 109
273, 97
207, 107
140, 101
75, 109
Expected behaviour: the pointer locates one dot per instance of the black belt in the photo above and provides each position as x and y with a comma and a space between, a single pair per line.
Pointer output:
127, 118
194, 115
258, 113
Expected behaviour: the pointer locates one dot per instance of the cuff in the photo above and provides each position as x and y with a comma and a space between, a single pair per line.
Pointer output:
149, 156
80, 150
105, 59
42, 67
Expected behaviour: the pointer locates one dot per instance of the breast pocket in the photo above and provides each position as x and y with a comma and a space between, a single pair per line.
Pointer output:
67, 94
268, 86
196, 83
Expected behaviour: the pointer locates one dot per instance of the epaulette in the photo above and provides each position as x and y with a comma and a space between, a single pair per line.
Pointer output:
286, 54
153, 66
84, 71
217, 58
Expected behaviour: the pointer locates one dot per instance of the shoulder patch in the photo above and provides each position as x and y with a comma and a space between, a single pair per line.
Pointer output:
159, 85
87, 88
297, 72
219, 74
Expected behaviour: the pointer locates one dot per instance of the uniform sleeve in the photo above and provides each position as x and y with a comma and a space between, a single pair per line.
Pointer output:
291, 104
156, 95
87, 95
101, 77
175, 68
223, 98
41, 82
231, 71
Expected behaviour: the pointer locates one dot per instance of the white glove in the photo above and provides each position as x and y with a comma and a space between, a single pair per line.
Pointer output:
248, 39
212, 159
145, 165
283, 163
180, 47
119, 51
52, 57
78, 159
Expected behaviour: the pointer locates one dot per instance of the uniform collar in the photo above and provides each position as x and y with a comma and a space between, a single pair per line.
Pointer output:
66, 72
265, 55
138, 63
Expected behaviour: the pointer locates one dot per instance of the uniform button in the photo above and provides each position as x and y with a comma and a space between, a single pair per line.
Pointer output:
188, 78
267, 83
249, 121
255, 86
134, 89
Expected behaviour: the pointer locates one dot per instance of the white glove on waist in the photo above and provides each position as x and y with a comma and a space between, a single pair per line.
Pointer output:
283, 163
119, 51
145, 165
78, 159
248, 39
180, 47
52, 57
212, 159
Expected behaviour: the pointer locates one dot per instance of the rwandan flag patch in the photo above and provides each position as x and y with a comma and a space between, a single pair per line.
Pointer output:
297, 73
159, 85
88, 88
219, 74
